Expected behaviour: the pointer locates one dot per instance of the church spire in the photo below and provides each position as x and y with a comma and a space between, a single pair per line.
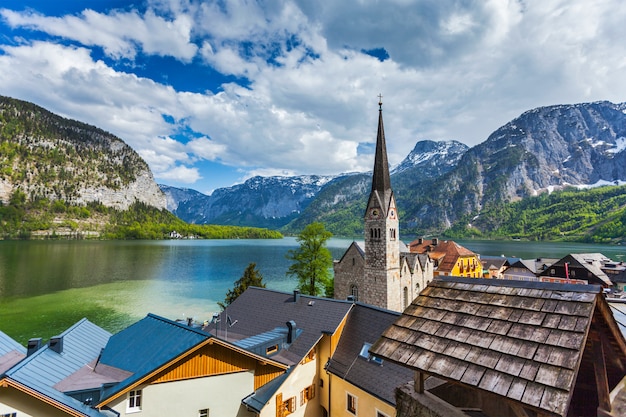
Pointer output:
380, 179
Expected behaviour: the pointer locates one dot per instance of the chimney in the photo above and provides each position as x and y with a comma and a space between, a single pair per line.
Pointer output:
420, 240
189, 321
33, 346
291, 331
296, 296
56, 344
435, 241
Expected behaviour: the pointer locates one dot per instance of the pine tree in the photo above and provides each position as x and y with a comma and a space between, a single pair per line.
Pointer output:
251, 277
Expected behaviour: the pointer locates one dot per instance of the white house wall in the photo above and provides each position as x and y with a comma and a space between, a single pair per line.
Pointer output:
221, 394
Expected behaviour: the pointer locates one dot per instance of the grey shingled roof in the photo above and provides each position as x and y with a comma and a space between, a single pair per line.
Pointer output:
43, 369
261, 310
364, 325
521, 340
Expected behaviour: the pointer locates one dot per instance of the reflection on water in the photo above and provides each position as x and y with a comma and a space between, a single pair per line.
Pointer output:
174, 278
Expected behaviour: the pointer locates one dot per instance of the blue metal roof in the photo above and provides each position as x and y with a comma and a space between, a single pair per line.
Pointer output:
7, 344
146, 346
11, 352
43, 369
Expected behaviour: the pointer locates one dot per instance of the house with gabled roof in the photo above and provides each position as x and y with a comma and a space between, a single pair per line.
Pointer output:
579, 267
494, 266
162, 367
502, 348
527, 269
29, 387
358, 382
449, 258
296, 330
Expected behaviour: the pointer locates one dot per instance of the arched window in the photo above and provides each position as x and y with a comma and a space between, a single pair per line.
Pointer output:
354, 292
405, 297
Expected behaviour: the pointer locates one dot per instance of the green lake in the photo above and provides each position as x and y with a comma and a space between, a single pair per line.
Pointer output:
46, 286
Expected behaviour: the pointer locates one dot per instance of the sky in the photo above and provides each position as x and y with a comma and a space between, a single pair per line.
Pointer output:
211, 93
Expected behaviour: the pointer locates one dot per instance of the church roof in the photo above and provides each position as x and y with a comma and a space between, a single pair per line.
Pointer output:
381, 181
524, 341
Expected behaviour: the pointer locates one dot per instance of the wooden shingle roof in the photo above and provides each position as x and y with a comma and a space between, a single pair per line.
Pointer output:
524, 341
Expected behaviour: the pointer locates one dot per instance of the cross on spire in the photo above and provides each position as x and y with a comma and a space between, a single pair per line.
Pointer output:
380, 101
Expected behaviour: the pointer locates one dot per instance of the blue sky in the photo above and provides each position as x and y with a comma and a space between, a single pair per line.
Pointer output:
210, 93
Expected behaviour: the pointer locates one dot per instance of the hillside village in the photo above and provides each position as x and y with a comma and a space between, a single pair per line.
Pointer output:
427, 328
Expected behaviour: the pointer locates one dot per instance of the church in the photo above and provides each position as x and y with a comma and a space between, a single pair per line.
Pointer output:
381, 271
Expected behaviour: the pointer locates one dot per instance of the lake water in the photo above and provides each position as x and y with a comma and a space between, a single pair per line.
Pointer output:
45, 286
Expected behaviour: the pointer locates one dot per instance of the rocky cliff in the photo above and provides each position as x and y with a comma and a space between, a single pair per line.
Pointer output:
47, 156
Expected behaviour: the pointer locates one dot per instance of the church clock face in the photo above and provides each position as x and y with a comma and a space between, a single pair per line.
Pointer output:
392, 213
374, 213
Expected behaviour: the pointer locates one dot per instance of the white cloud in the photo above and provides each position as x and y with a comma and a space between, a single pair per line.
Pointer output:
179, 174
120, 34
455, 71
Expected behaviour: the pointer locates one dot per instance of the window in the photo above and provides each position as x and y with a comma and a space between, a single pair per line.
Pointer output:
307, 394
354, 291
351, 403
271, 349
289, 406
203, 413
380, 414
9, 415
405, 297
134, 401
309, 357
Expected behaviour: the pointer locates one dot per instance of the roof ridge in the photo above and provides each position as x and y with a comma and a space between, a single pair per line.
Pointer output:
178, 324
586, 288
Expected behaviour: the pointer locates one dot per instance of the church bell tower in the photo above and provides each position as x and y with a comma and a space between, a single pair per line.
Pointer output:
381, 286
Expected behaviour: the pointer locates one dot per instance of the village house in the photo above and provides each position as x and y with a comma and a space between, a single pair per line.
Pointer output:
494, 266
154, 367
360, 383
29, 387
330, 369
381, 272
502, 348
449, 258
577, 267
527, 269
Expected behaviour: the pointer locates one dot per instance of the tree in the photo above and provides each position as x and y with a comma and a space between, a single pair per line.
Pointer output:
251, 277
312, 260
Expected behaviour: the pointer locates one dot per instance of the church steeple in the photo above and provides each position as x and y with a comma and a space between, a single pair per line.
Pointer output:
380, 179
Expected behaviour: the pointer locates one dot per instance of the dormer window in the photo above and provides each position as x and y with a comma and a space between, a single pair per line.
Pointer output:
366, 354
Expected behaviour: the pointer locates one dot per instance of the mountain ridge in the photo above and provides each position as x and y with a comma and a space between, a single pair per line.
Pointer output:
543, 149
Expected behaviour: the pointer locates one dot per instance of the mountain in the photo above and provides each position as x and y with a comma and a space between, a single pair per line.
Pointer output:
544, 149
260, 201
44, 155
439, 183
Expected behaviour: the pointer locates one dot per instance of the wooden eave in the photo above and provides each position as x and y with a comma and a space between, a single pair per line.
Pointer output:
261, 359
8, 382
477, 339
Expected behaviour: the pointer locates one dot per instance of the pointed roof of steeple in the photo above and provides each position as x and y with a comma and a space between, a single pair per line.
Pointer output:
380, 180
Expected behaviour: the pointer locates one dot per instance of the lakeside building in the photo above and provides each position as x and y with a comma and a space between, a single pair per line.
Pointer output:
382, 271
449, 258
502, 348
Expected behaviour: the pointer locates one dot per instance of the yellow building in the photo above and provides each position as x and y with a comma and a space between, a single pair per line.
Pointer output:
449, 258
